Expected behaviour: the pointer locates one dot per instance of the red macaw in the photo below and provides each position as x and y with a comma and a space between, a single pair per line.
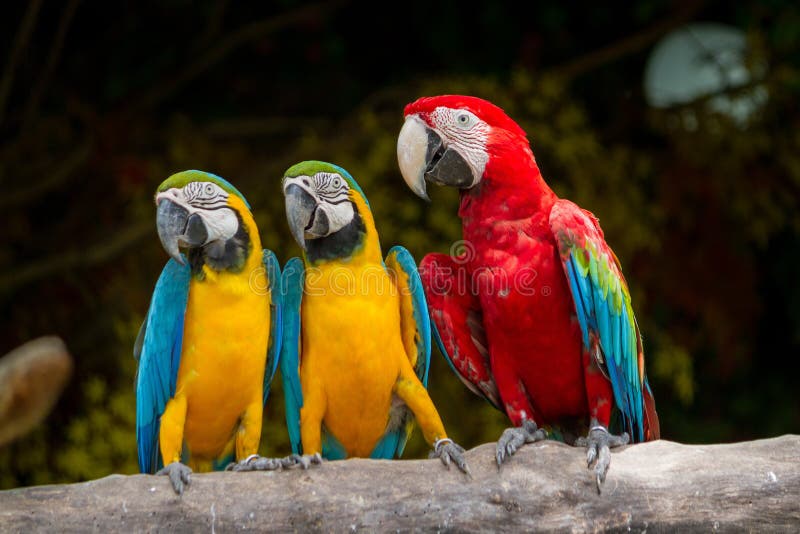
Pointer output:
534, 314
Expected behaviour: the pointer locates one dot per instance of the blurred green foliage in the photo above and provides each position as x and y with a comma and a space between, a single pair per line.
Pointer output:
705, 220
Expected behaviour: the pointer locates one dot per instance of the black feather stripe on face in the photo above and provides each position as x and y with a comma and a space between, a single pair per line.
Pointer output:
205, 195
230, 255
341, 244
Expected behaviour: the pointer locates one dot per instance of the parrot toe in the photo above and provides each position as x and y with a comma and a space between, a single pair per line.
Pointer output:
179, 474
514, 438
449, 452
598, 445
305, 461
255, 462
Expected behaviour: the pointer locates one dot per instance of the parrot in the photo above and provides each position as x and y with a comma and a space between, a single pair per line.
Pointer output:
533, 312
209, 345
356, 334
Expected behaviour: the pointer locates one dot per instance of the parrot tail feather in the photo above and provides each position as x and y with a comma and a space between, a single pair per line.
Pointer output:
652, 428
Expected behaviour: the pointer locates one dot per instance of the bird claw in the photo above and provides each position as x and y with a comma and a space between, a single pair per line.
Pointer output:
599, 443
255, 462
179, 474
514, 438
449, 452
305, 461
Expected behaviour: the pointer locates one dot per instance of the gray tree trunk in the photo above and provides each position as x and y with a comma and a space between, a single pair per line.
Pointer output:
657, 487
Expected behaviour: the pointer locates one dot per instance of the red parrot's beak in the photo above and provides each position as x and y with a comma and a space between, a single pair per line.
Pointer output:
423, 155
412, 154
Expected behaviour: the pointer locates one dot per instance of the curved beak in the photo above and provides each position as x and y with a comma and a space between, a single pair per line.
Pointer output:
423, 155
176, 228
305, 218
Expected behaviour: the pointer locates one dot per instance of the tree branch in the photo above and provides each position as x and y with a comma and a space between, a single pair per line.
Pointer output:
51, 180
20, 42
225, 46
32, 107
629, 45
215, 19
658, 487
102, 251
257, 126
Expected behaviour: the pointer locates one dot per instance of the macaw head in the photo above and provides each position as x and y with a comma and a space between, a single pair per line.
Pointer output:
327, 211
205, 215
450, 140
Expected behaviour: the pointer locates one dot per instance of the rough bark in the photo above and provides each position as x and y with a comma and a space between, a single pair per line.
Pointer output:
657, 487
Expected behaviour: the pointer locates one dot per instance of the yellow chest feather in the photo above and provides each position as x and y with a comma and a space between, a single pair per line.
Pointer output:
226, 332
351, 347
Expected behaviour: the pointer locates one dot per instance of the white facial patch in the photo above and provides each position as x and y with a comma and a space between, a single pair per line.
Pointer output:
334, 200
205, 195
331, 193
210, 201
222, 224
464, 131
339, 215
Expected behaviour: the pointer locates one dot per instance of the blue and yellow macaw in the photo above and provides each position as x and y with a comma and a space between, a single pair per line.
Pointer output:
356, 338
210, 343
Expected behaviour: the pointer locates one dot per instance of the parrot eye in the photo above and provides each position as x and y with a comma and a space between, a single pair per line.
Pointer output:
209, 189
337, 183
464, 120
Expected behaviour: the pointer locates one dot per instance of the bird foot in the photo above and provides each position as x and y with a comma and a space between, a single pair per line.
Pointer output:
514, 438
305, 461
179, 474
448, 451
254, 462
598, 450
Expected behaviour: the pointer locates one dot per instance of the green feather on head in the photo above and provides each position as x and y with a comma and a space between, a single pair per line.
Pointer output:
180, 179
312, 167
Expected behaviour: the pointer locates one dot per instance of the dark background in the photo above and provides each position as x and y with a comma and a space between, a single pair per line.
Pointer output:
101, 101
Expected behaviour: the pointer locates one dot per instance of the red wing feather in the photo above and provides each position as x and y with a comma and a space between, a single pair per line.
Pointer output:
458, 325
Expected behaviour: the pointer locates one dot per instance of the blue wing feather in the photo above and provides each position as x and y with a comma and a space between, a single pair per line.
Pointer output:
273, 269
293, 279
331, 448
615, 332
159, 359
602, 307
422, 322
387, 447
580, 304
400, 260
